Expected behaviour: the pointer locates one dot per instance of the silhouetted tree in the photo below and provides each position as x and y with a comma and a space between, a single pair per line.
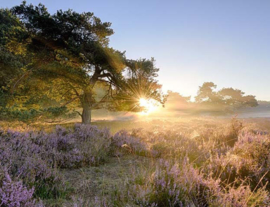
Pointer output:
227, 98
177, 101
206, 94
236, 98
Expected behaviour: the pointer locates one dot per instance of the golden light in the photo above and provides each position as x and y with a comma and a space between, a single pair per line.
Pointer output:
149, 105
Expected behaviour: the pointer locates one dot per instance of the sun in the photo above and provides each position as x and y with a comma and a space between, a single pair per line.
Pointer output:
149, 105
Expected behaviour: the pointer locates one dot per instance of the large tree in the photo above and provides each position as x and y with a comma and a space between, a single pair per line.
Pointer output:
70, 51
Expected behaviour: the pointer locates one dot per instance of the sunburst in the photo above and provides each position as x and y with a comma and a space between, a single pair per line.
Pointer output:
149, 105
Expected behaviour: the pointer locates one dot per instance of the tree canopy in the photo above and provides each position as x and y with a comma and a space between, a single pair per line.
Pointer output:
66, 58
228, 98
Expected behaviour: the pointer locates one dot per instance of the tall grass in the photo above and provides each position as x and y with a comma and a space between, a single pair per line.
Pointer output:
192, 163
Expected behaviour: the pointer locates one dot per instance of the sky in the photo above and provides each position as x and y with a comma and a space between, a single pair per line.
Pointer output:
193, 41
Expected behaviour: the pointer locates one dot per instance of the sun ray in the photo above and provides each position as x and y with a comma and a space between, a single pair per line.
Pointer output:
149, 105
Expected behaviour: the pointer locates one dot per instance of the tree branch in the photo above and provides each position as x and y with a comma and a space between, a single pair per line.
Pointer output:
78, 113
19, 80
102, 100
71, 100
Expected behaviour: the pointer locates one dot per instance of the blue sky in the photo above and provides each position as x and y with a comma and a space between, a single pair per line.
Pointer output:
193, 41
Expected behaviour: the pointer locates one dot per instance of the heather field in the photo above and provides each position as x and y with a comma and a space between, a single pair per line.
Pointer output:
134, 103
181, 162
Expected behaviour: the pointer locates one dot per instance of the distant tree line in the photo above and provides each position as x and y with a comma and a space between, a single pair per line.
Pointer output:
230, 97
209, 99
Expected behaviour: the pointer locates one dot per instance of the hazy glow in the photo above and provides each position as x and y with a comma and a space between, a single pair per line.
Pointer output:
149, 106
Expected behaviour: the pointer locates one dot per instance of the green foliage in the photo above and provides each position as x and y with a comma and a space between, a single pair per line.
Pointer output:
31, 115
10, 62
17, 114
56, 111
68, 54
3, 98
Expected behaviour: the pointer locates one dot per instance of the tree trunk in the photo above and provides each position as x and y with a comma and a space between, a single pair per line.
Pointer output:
86, 114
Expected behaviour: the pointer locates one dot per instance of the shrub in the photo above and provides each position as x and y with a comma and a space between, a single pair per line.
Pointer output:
249, 160
175, 185
35, 157
14, 193
123, 142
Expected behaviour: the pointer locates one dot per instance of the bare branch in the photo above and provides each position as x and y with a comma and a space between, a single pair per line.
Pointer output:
78, 113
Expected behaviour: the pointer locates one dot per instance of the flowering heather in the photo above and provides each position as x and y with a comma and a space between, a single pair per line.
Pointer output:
35, 157
14, 193
124, 141
247, 160
195, 163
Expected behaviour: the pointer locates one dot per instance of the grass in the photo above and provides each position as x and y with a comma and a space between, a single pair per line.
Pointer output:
180, 162
107, 180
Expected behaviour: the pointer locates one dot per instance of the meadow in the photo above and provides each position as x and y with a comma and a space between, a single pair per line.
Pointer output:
88, 120
175, 162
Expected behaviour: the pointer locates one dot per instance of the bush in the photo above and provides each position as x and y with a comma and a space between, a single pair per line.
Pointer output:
175, 185
249, 160
124, 142
180, 184
14, 193
35, 157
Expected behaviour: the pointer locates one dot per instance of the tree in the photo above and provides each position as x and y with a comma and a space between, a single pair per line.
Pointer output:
11, 63
236, 98
175, 101
139, 83
71, 51
226, 98
206, 94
